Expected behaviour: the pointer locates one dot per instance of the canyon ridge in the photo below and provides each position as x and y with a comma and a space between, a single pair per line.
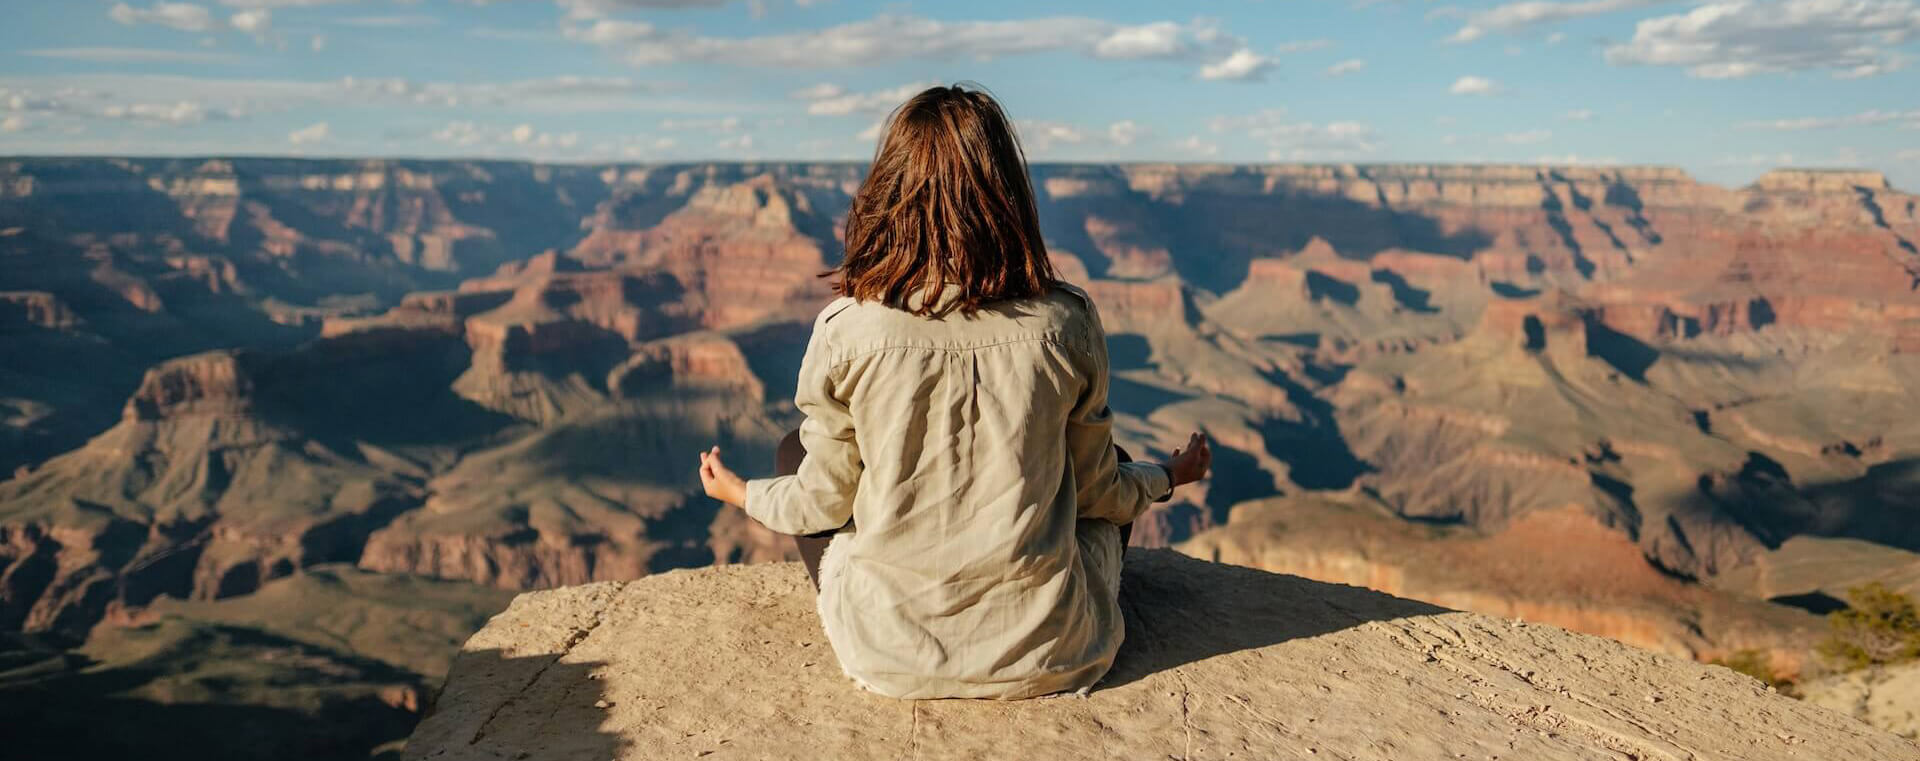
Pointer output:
338, 411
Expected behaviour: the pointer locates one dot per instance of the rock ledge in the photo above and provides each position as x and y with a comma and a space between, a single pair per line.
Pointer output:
1220, 662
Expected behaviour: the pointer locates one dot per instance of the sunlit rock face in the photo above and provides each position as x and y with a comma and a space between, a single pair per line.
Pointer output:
1217, 662
221, 371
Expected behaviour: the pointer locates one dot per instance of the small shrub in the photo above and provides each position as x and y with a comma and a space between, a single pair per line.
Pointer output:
1878, 626
1759, 665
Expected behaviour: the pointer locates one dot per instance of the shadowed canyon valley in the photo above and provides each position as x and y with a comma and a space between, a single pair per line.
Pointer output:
270, 421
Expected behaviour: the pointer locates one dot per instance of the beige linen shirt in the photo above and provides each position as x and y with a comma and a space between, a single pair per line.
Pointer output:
974, 455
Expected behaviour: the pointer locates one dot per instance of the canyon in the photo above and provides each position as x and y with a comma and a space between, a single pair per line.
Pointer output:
1613, 399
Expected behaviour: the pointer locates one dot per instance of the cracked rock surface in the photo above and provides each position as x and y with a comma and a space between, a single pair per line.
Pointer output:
1220, 662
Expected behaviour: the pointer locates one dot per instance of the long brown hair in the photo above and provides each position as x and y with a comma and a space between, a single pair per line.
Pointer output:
947, 204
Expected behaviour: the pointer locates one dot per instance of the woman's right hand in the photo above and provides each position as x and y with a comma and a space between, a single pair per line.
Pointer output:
1189, 464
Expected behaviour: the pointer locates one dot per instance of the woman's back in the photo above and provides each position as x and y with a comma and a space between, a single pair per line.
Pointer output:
972, 567
957, 439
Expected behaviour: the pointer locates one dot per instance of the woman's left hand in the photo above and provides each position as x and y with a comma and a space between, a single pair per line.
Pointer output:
721, 483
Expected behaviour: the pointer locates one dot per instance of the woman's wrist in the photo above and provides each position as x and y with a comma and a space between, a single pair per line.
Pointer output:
1171, 483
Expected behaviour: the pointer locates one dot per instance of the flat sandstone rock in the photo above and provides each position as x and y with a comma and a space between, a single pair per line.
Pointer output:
1220, 662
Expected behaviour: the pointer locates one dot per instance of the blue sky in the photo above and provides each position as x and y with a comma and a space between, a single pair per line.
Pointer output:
1725, 89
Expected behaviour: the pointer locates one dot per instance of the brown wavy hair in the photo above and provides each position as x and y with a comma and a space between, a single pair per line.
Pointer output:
946, 204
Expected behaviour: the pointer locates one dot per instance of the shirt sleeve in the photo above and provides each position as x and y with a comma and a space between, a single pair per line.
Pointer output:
820, 496
1105, 487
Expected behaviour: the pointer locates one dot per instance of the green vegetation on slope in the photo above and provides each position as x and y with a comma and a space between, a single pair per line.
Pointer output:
1878, 627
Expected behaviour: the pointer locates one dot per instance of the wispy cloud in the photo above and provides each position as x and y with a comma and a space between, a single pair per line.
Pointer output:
281, 3
190, 17
1516, 17
491, 138
400, 21
185, 17
888, 38
135, 55
1471, 85
1575, 159
1197, 145
1040, 136
1343, 68
1862, 119
312, 133
1740, 38
1125, 132
1528, 137
833, 100
1243, 65
1303, 46
1288, 139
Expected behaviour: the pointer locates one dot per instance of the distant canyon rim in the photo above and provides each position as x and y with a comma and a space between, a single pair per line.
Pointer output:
1610, 398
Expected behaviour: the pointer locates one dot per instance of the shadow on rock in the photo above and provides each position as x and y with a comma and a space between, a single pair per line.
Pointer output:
546, 709
1182, 610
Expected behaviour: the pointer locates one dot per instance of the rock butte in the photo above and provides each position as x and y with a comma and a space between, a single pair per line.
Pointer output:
1428, 379
1220, 662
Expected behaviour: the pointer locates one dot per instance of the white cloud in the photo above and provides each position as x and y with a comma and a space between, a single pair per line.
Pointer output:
176, 113
67, 101
1041, 136
14, 123
1290, 140
870, 134
735, 143
886, 38
185, 17
253, 21
312, 133
587, 9
280, 3
722, 124
318, 42
1125, 132
1862, 119
1910, 154
1575, 159
1528, 137
833, 101
635, 147
460, 133
1160, 39
1516, 17
132, 55
1197, 146
1303, 46
490, 139
1762, 159
1242, 66
1841, 157
1471, 85
1346, 67
1739, 38
400, 21
819, 91
1578, 115
568, 93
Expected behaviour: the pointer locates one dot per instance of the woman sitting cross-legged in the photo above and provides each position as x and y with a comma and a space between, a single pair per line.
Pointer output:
956, 461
